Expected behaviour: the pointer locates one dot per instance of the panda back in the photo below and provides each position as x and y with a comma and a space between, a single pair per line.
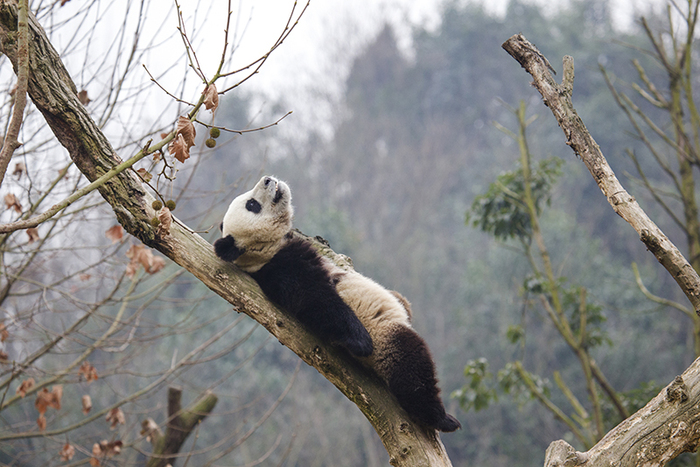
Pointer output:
378, 309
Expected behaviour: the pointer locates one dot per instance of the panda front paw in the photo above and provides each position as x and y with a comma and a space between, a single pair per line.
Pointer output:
226, 249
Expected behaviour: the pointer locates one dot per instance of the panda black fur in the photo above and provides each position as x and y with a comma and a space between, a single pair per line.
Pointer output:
343, 307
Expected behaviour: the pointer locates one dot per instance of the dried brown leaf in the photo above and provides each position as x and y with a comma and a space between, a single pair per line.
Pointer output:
88, 372
141, 256
41, 422
57, 393
46, 399
115, 417
133, 253
20, 169
96, 452
26, 385
4, 358
186, 128
67, 452
211, 97
42, 400
150, 429
166, 220
157, 263
11, 201
110, 448
4, 333
115, 233
87, 404
33, 234
179, 149
84, 277
145, 174
131, 269
63, 2
83, 95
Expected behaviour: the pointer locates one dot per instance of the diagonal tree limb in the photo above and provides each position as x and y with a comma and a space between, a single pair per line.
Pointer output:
558, 99
54, 94
670, 423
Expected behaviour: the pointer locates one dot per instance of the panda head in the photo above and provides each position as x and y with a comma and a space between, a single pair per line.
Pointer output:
257, 223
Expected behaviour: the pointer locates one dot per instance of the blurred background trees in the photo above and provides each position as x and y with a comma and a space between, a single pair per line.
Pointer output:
411, 145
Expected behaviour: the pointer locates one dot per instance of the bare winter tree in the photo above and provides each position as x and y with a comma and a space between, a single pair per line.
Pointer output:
668, 425
70, 325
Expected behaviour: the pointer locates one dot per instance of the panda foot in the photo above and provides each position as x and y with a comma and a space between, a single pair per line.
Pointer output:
360, 347
448, 424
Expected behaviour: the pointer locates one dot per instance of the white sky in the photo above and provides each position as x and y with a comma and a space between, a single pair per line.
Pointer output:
329, 34
330, 26
308, 69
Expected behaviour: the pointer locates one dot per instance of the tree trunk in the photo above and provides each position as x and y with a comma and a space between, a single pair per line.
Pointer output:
54, 94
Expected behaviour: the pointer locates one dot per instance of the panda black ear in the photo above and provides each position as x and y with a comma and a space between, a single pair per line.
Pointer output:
226, 249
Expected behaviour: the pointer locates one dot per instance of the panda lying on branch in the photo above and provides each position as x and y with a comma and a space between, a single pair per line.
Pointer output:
342, 307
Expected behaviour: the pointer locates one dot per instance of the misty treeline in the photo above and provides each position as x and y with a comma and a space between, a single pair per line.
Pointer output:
113, 338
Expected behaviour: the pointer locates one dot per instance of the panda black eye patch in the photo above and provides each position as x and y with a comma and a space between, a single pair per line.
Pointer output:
253, 206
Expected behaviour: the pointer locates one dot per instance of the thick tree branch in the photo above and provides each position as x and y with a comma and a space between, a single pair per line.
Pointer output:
54, 94
670, 424
558, 99
666, 427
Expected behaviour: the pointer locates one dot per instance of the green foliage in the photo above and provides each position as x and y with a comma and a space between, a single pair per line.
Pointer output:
536, 284
520, 384
502, 212
478, 392
482, 388
592, 319
515, 333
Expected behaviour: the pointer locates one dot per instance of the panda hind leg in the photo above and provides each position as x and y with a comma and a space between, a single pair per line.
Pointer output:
408, 367
345, 330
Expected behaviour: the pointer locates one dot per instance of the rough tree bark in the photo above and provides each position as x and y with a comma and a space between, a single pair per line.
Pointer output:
54, 94
670, 423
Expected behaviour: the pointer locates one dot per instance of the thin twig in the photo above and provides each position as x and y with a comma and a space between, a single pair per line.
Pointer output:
10, 143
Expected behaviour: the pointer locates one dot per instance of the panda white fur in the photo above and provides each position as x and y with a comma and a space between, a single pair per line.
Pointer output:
342, 307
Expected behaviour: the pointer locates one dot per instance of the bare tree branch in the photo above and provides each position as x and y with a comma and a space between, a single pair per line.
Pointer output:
10, 143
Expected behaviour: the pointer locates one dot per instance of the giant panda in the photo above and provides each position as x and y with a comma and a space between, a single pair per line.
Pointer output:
341, 307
